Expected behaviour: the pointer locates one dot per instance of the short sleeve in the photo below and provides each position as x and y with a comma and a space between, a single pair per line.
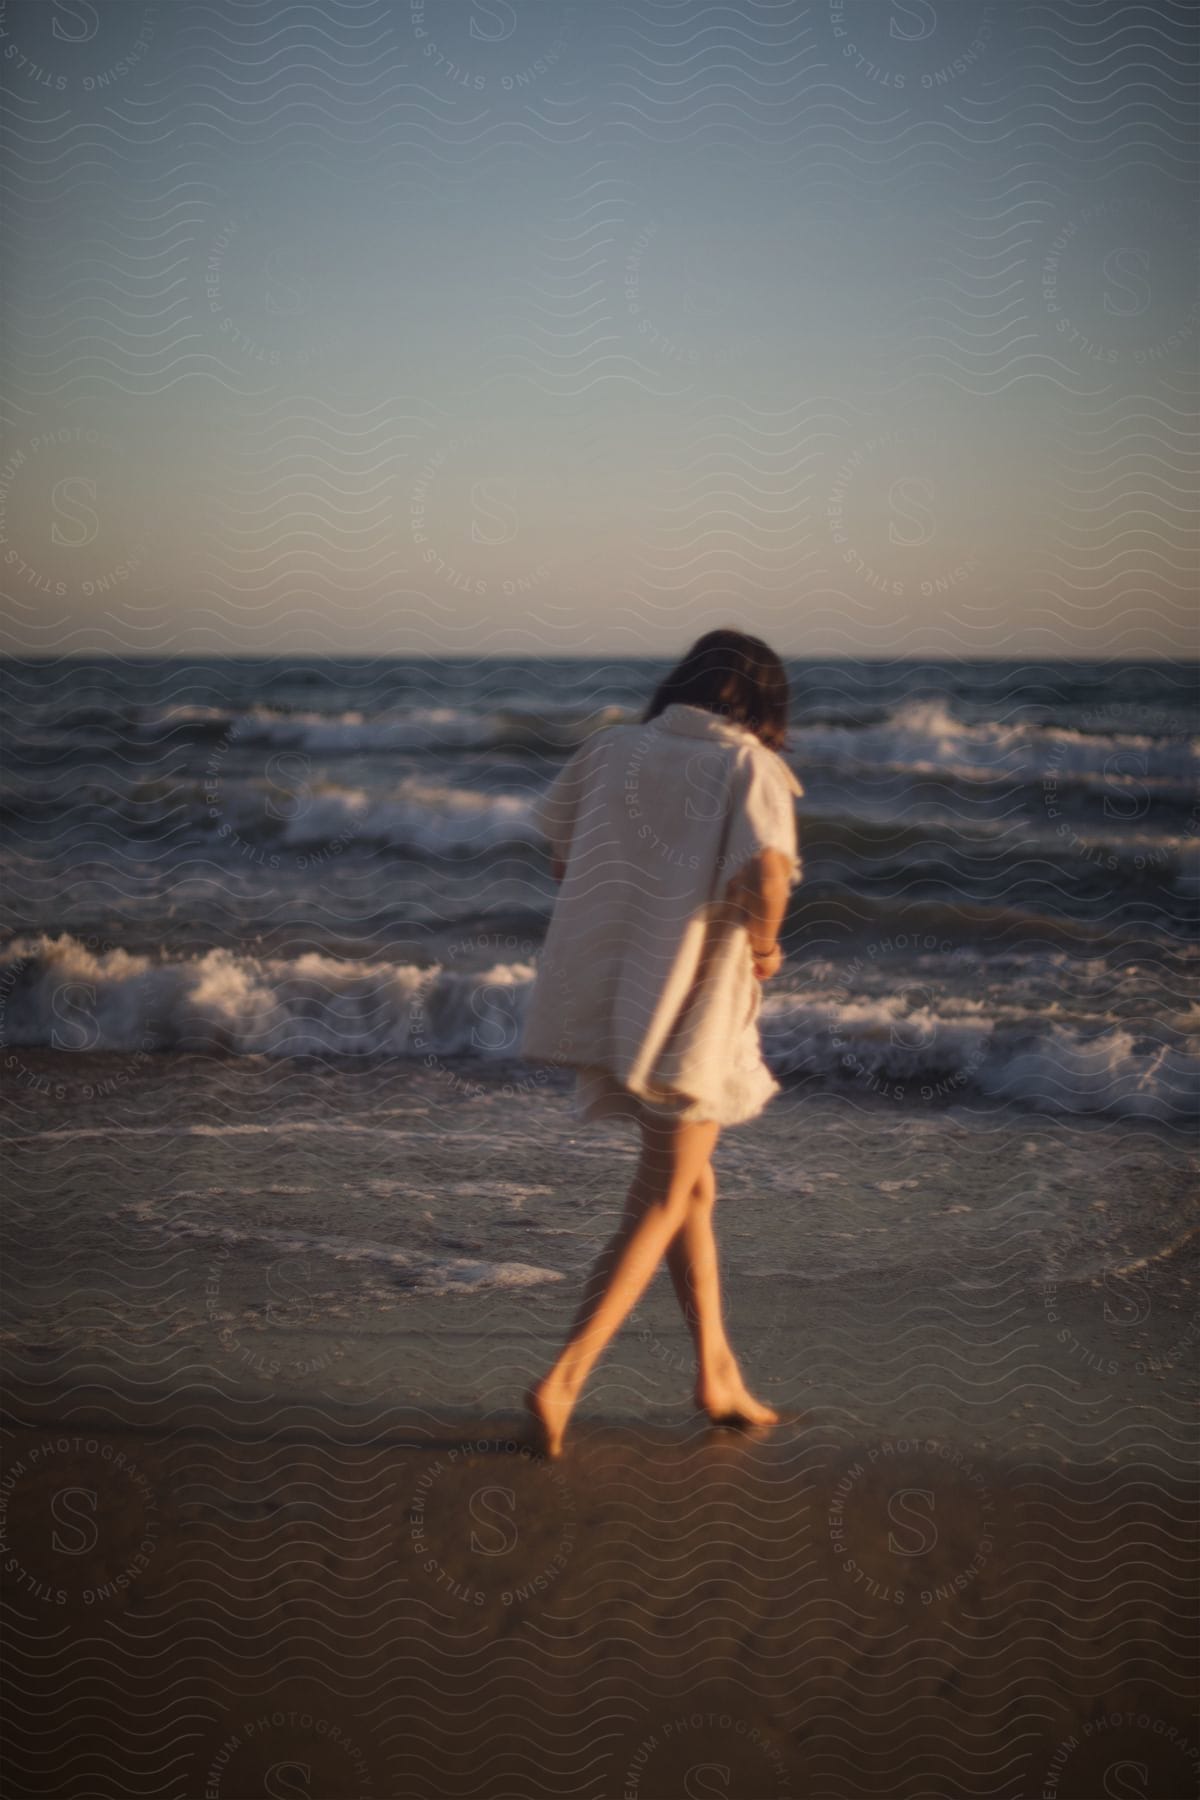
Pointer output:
762, 814
556, 810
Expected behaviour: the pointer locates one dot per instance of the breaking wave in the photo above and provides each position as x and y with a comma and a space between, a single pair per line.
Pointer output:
57, 994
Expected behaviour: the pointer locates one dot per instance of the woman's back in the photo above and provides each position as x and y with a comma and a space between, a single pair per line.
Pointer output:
646, 971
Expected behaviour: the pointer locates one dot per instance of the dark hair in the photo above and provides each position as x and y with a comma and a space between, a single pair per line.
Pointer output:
734, 675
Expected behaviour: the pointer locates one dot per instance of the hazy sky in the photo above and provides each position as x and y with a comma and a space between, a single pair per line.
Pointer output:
411, 326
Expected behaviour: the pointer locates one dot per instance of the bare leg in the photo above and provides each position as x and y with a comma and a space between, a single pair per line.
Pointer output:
692, 1260
672, 1158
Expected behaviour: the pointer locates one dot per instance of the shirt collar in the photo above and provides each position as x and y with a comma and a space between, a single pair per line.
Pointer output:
699, 722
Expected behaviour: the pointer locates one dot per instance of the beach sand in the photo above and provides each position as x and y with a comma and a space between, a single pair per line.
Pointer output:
237, 1605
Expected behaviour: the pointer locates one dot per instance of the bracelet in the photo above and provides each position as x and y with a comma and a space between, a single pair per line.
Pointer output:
761, 955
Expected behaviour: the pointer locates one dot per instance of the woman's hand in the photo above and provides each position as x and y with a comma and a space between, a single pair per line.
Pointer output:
766, 966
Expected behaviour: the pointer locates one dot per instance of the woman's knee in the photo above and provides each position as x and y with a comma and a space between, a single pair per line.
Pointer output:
688, 1197
662, 1191
668, 1172
704, 1190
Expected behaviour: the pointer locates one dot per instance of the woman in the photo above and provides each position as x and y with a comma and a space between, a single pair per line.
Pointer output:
675, 844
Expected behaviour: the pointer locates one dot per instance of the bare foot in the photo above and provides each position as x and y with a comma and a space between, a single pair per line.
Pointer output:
731, 1403
550, 1410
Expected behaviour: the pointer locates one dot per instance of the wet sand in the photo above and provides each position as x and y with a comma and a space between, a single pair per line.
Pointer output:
288, 1601
372, 1237
270, 1524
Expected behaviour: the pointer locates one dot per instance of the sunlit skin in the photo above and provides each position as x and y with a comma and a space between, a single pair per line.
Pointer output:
669, 1212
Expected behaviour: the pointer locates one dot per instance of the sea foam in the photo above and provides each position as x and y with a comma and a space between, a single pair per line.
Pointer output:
57, 994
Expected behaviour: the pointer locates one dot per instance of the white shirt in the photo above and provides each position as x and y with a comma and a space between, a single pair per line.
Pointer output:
646, 971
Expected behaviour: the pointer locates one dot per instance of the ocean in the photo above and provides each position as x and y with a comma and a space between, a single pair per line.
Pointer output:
279, 857
269, 929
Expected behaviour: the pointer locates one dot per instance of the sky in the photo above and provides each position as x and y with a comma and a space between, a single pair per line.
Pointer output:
516, 326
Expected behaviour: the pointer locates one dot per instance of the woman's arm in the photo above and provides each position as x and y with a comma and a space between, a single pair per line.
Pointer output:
760, 892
